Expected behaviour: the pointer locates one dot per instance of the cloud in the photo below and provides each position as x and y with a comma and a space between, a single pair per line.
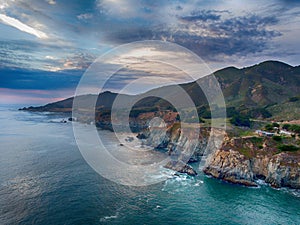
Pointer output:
119, 8
85, 16
202, 16
51, 2
211, 34
216, 30
78, 61
41, 55
21, 26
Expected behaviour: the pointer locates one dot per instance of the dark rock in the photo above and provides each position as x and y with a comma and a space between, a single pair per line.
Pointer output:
129, 139
181, 167
141, 136
192, 160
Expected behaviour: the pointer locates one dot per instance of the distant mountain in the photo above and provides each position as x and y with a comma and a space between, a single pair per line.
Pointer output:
258, 91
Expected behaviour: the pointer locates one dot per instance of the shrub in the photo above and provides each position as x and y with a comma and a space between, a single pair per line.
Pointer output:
240, 120
231, 111
259, 112
269, 127
286, 126
295, 128
288, 148
277, 138
294, 99
257, 140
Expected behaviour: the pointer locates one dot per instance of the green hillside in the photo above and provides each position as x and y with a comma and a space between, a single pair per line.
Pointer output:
264, 90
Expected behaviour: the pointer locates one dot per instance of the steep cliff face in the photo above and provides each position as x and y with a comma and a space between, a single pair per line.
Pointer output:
230, 166
240, 161
181, 146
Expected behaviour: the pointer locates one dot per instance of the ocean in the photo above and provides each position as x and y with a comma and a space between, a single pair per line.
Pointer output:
45, 180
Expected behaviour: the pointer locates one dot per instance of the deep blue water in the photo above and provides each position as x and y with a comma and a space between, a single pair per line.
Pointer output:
44, 180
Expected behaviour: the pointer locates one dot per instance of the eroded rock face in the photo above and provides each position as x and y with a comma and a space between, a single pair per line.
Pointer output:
230, 166
279, 170
239, 160
185, 147
283, 171
180, 148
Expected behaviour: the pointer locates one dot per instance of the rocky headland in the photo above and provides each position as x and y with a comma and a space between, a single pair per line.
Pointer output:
239, 160
245, 160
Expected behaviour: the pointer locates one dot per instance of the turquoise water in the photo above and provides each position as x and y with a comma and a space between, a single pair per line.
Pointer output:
44, 180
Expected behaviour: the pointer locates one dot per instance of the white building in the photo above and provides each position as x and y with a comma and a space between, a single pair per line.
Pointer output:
264, 133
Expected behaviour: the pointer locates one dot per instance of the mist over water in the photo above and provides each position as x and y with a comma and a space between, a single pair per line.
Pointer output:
45, 180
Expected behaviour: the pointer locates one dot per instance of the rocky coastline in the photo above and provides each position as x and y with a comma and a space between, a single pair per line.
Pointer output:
279, 169
239, 160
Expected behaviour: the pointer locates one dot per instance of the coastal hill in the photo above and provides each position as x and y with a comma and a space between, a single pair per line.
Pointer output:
266, 90
263, 92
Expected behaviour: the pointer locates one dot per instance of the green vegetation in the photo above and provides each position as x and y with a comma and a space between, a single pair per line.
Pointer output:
246, 152
240, 120
295, 128
277, 138
259, 112
231, 111
204, 112
254, 92
292, 127
294, 99
244, 133
288, 148
257, 140
269, 127
194, 120
286, 126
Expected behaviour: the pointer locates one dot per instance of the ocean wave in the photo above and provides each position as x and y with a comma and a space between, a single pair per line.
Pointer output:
107, 218
179, 183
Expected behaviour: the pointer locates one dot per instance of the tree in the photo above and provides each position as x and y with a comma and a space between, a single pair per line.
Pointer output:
240, 120
269, 127
295, 128
286, 126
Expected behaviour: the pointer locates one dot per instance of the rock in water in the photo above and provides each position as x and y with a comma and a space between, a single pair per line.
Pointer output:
181, 167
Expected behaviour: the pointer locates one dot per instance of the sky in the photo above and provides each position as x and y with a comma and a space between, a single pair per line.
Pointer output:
47, 45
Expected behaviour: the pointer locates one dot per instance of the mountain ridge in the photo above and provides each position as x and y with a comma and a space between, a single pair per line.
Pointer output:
252, 90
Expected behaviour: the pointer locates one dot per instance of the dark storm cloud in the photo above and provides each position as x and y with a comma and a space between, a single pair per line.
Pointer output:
209, 34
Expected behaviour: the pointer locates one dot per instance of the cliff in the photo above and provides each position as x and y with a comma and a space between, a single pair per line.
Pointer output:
182, 147
245, 160
239, 160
